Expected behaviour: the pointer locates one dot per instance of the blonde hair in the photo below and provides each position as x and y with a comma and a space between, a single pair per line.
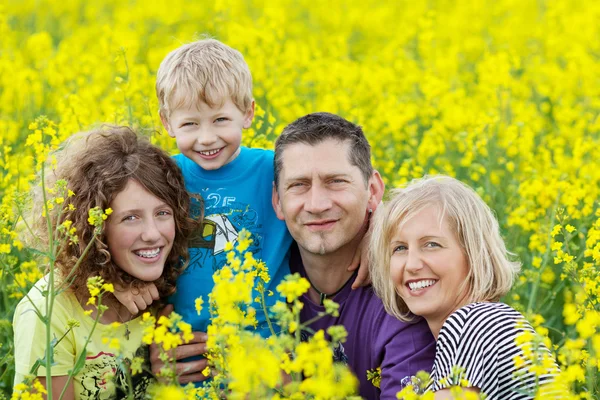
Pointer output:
490, 274
203, 71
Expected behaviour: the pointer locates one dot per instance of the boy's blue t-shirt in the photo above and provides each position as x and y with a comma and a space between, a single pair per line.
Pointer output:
236, 196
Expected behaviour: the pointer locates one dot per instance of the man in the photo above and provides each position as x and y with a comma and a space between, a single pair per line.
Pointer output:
325, 190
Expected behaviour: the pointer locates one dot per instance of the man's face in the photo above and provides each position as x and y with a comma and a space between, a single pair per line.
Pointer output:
323, 198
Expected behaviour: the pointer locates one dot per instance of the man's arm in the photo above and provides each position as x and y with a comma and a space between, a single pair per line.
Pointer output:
409, 348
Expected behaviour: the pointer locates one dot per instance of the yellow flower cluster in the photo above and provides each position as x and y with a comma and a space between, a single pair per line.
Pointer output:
243, 364
169, 332
35, 391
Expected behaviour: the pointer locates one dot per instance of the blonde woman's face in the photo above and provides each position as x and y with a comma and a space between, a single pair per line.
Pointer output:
428, 266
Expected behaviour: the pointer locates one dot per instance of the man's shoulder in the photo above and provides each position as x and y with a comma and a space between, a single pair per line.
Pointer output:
259, 153
375, 311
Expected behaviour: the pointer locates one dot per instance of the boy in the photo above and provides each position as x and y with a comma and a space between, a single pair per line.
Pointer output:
204, 91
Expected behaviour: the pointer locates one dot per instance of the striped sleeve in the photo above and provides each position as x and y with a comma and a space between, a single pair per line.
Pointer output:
476, 347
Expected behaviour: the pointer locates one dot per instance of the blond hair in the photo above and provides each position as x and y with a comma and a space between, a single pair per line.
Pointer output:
203, 71
490, 274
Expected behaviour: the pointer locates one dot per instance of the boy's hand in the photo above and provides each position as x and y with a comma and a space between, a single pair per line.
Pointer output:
361, 258
135, 299
189, 371
361, 261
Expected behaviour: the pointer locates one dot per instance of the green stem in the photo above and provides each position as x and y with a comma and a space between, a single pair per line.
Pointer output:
80, 259
536, 284
50, 290
264, 307
84, 349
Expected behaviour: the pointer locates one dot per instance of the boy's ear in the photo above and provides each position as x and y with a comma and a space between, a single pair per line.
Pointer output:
249, 116
165, 123
277, 203
376, 189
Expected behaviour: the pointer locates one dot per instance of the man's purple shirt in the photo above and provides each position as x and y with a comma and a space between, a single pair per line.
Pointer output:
375, 338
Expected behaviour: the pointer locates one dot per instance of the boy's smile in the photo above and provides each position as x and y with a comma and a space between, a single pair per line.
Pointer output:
210, 136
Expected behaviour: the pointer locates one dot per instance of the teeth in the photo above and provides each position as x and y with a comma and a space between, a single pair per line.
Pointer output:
421, 284
209, 152
148, 253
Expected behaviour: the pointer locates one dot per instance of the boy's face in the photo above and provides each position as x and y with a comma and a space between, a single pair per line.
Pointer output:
209, 136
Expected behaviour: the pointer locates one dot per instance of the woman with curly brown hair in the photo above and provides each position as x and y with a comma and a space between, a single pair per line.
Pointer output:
144, 239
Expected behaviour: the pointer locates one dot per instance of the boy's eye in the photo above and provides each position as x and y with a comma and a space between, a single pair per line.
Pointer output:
221, 119
187, 124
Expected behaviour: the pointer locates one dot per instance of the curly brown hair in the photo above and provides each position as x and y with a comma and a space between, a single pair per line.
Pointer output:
97, 166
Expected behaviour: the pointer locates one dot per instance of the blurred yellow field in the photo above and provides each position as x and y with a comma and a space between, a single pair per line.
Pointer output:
503, 95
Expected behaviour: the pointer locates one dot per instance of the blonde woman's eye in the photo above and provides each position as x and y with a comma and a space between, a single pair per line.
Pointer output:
432, 244
399, 248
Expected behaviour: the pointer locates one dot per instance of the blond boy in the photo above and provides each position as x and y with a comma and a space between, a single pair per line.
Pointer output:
204, 91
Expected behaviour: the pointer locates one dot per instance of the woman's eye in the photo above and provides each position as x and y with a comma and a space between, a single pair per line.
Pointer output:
129, 218
432, 244
163, 212
399, 248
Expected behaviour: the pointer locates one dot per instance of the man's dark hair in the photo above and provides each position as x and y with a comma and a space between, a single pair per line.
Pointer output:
315, 128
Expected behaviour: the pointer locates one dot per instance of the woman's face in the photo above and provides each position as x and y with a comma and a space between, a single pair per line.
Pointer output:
428, 266
140, 232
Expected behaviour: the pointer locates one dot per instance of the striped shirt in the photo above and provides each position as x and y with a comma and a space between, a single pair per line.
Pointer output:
476, 347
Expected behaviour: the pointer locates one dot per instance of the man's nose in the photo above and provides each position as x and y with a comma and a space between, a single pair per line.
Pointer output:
318, 200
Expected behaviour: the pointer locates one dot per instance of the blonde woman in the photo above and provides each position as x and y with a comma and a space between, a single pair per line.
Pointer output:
437, 253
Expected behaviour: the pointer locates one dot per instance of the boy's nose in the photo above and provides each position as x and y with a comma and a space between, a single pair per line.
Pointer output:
206, 138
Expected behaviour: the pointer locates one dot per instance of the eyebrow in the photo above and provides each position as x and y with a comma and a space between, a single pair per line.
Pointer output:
422, 238
323, 177
137, 210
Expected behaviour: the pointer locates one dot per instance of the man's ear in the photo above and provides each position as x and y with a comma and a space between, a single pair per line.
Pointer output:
165, 123
276, 203
376, 190
249, 116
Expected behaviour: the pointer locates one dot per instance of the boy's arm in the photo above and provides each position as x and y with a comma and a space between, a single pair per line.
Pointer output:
135, 299
361, 257
361, 261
